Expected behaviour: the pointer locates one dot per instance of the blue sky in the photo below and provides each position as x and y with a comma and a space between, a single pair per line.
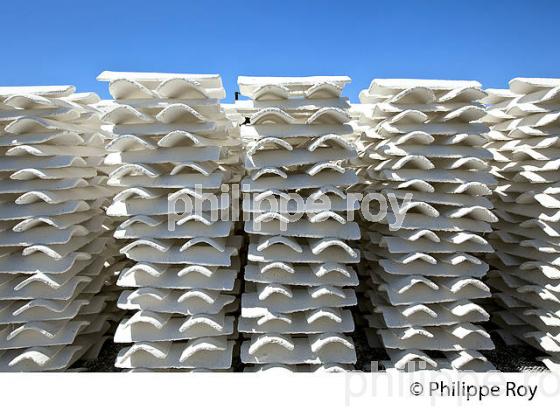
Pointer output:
70, 42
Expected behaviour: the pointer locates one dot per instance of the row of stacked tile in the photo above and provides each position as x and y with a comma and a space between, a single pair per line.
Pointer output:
168, 142
421, 148
172, 148
298, 279
55, 247
525, 275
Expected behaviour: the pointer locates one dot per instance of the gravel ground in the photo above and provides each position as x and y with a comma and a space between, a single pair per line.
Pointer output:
518, 358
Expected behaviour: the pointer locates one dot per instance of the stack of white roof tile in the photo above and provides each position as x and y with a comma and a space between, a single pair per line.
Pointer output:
172, 143
298, 280
525, 143
53, 238
426, 274
361, 115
